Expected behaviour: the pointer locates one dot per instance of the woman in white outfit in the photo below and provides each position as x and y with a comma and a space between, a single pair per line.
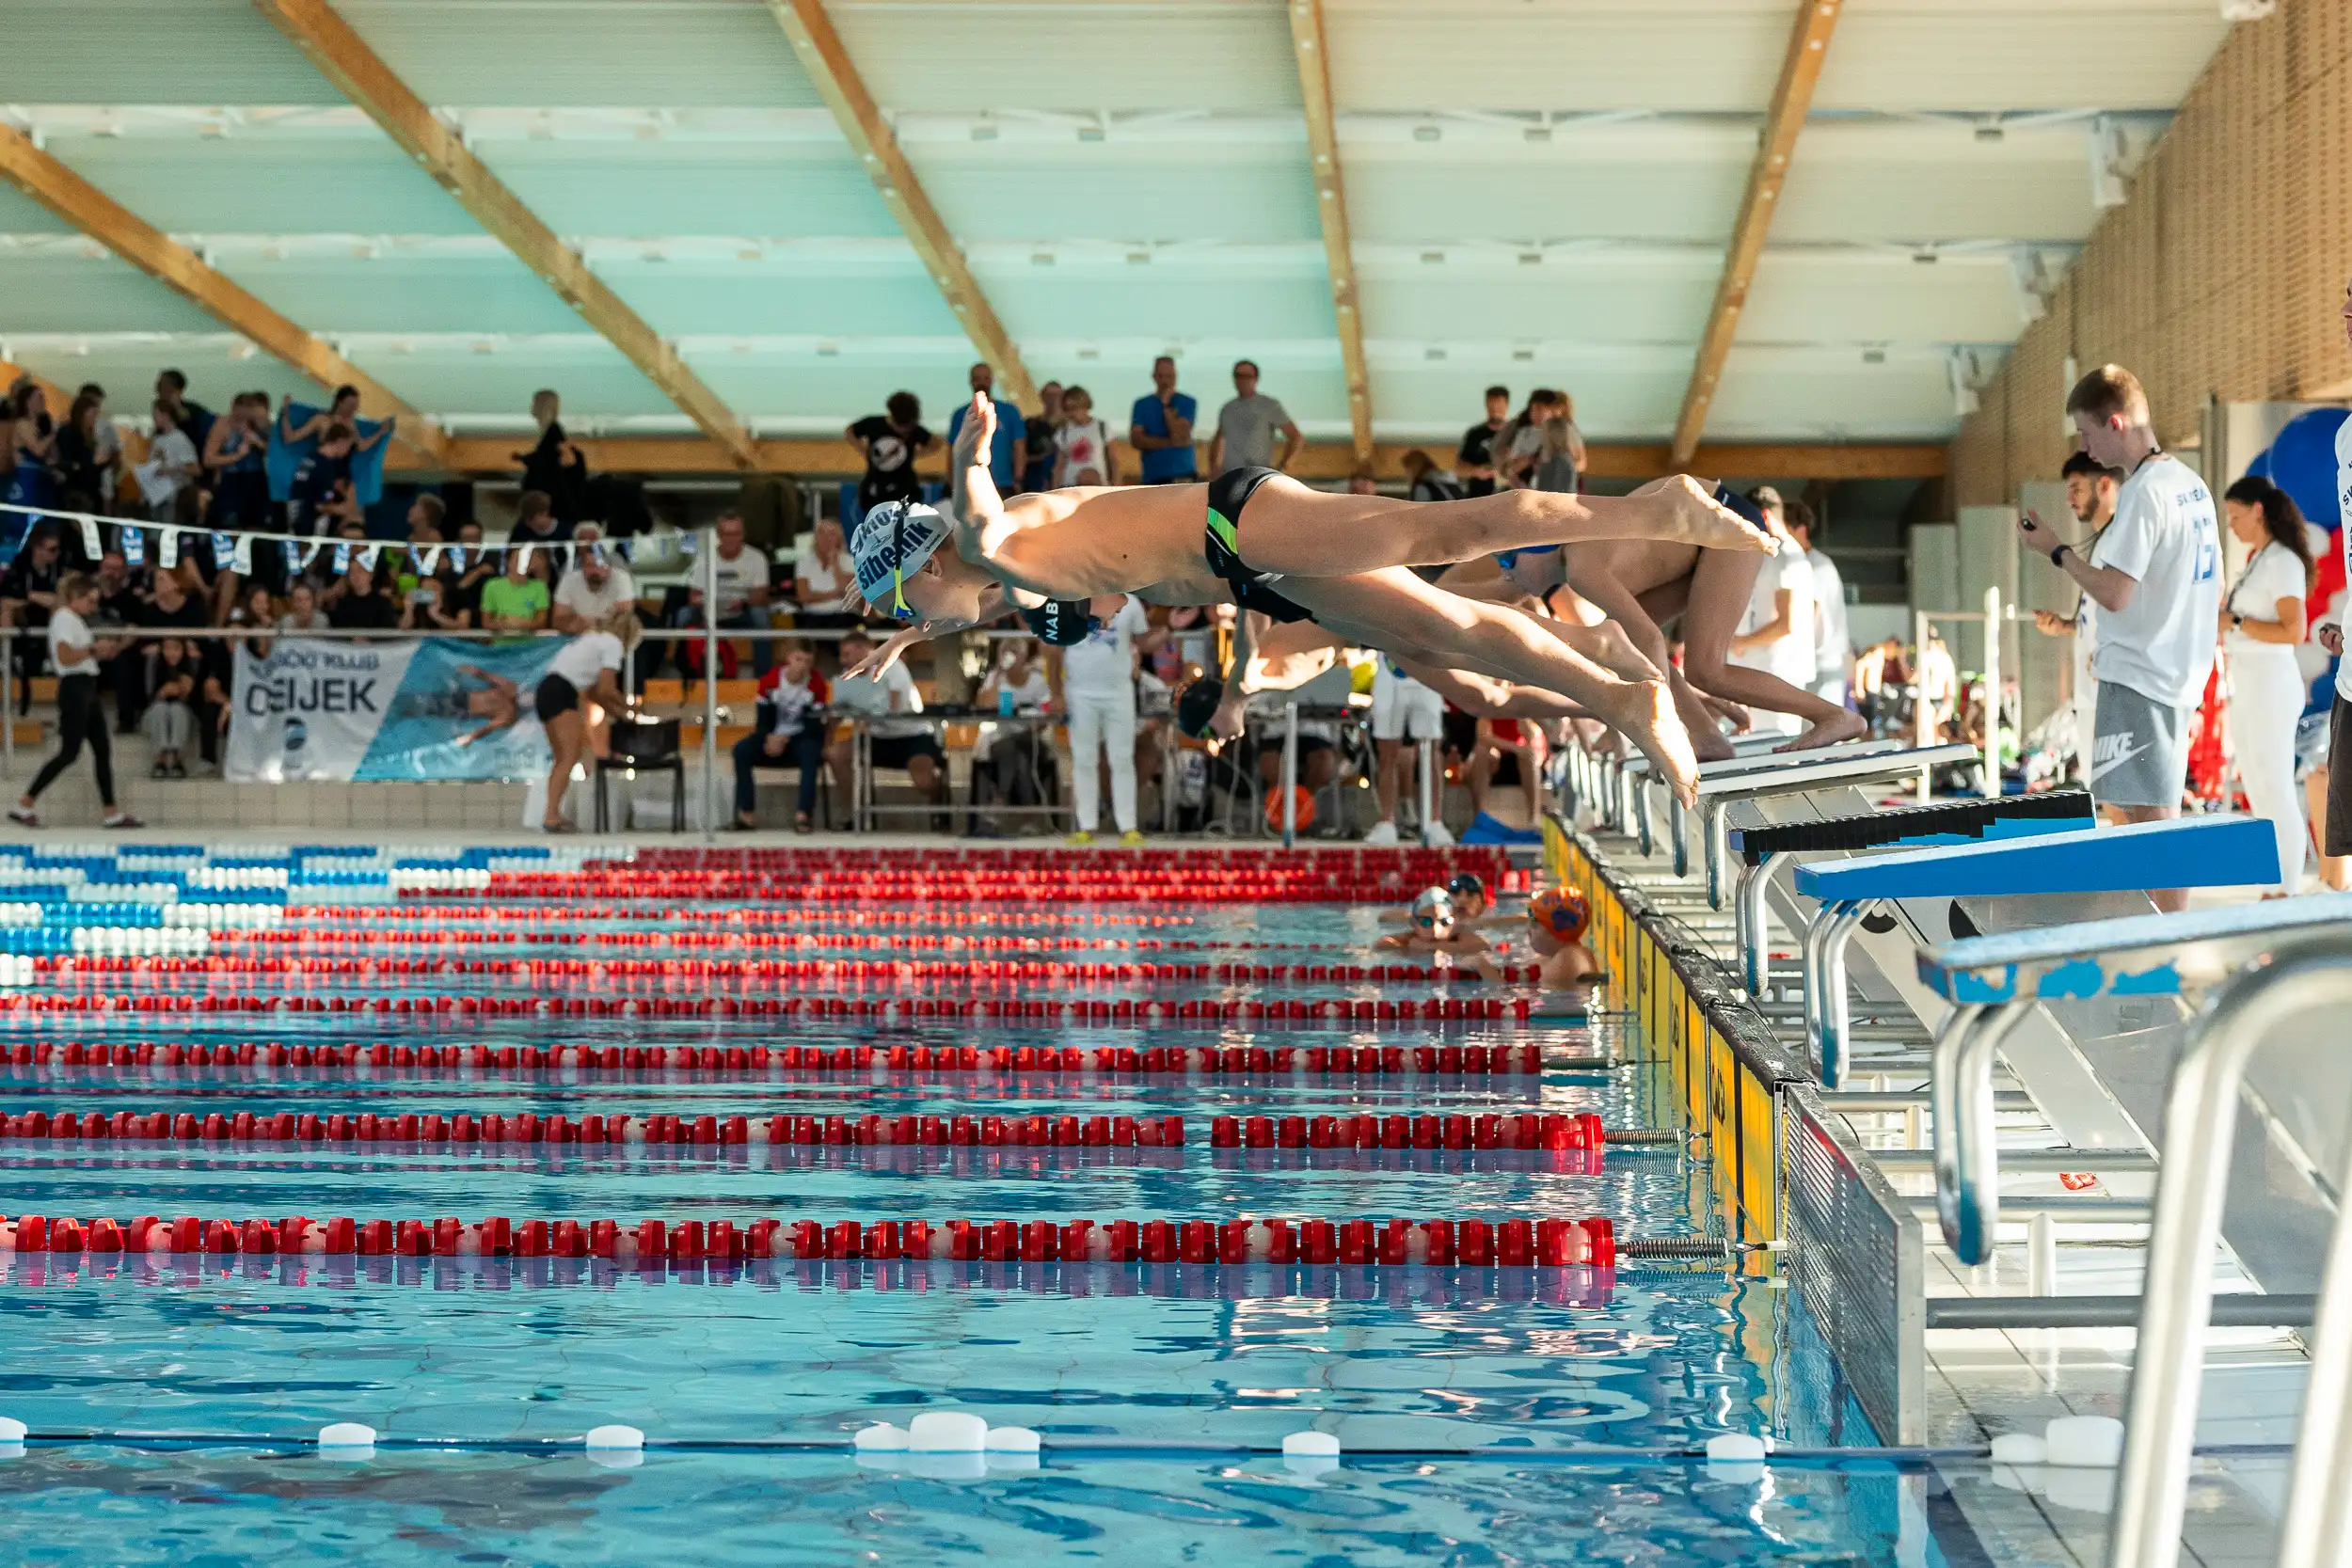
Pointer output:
1098, 685
2261, 620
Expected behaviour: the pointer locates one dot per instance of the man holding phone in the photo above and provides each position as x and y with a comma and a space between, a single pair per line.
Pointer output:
2157, 586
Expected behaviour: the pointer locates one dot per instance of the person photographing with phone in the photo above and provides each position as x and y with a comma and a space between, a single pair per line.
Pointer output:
2157, 586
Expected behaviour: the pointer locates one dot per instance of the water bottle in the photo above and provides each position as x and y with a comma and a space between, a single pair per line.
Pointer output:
1004, 701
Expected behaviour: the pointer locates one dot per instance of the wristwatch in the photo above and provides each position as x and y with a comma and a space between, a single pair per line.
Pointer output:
2055, 554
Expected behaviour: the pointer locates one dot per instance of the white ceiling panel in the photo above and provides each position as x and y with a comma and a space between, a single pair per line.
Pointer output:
1800, 297
1636, 183
1005, 190
538, 53
882, 299
1690, 55
218, 366
1995, 55
65, 291
397, 292
1180, 54
1821, 395
654, 189
1633, 298
1038, 302
150, 52
275, 185
1876, 180
443, 377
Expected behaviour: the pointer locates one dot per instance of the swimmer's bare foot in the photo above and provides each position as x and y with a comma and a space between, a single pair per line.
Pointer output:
1644, 714
1711, 746
1688, 512
1829, 732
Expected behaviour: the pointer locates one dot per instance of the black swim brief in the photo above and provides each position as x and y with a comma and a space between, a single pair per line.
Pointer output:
1228, 491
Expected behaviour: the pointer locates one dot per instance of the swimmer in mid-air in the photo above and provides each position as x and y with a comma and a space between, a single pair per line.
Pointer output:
1339, 560
1430, 928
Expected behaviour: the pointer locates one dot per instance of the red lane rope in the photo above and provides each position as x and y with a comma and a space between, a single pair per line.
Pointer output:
1491, 1131
442, 910
1356, 1014
1508, 1244
899, 971
1230, 1061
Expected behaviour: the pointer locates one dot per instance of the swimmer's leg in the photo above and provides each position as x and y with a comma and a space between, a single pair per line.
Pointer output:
1719, 597
1594, 574
1396, 610
1294, 531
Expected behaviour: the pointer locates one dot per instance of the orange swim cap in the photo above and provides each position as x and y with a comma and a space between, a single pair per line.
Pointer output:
1561, 911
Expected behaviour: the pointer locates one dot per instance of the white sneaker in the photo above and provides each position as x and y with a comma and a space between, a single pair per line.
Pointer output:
1382, 836
1436, 836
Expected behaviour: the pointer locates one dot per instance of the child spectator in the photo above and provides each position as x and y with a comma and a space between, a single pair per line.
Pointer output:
791, 729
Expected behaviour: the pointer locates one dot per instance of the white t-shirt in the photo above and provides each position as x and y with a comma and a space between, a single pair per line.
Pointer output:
737, 579
2343, 535
65, 627
2165, 536
1831, 652
592, 604
580, 661
1082, 447
894, 692
2273, 574
1032, 693
1105, 664
1791, 656
824, 583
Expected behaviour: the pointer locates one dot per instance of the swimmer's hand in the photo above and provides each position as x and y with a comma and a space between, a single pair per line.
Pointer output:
980, 430
1226, 722
876, 663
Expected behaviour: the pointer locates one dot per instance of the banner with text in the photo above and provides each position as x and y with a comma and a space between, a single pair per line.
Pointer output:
310, 708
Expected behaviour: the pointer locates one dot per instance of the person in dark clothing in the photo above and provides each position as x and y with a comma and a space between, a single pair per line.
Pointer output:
321, 499
890, 442
84, 468
1039, 454
189, 417
554, 468
1474, 464
463, 568
28, 596
357, 602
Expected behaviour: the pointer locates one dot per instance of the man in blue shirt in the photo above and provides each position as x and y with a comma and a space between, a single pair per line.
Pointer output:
1005, 453
1162, 429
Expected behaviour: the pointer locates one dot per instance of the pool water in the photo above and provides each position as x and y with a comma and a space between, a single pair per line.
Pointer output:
1487, 1414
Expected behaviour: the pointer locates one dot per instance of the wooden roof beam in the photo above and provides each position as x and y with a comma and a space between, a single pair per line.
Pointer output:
344, 58
94, 212
1792, 99
827, 61
1309, 41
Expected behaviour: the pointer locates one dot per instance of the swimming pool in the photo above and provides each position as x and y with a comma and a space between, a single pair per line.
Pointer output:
1489, 1410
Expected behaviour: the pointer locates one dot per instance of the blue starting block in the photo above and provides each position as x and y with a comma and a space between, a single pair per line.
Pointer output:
1762, 850
1993, 982
2198, 851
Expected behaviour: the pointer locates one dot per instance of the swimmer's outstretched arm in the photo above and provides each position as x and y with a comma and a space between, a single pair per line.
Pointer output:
993, 602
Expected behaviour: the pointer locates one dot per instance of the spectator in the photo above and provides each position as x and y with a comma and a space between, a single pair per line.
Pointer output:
343, 410
742, 573
1426, 482
1082, 444
109, 438
1248, 424
1777, 632
1520, 444
554, 468
515, 601
598, 593
85, 482
1005, 452
894, 742
538, 526
1474, 464
1017, 770
189, 417
2263, 617
357, 601
32, 446
321, 499
28, 597
75, 652
2090, 490
173, 681
1832, 646
1041, 455
466, 567
425, 517
2158, 590
791, 729
427, 607
890, 442
1098, 688
303, 615
121, 603
1559, 465
256, 612
171, 467
236, 456
824, 577
1160, 429
166, 605
575, 699
1403, 711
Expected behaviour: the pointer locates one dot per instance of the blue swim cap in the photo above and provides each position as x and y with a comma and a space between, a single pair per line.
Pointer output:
892, 543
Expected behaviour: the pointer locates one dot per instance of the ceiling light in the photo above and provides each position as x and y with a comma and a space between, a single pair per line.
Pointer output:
1138, 258
1523, 356
1990, 132
1433, 353
1433, 257
1091, 132
984, 131
1089, 354
1924, 257
1427, 132
1538, 132
1530, 257
828, 351
1041, 259
1874, 357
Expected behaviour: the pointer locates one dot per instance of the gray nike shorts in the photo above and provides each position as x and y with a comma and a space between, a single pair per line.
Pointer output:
2141, 754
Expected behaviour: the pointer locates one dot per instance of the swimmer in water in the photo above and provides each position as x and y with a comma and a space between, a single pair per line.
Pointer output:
1557, 919
1297, 554
1472, 905
1430, 928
